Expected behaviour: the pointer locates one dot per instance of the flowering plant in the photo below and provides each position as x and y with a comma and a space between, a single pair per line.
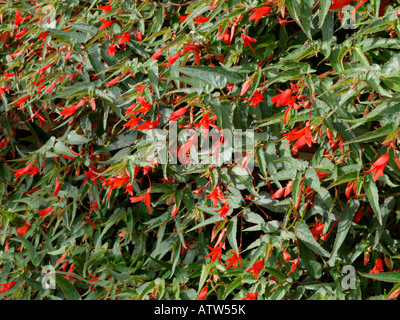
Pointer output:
201, 149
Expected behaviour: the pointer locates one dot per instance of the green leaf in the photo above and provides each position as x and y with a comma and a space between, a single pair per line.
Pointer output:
94, 58
67, 288
378, 133
372, 194
30, 249
216, 76
245, 179
304, 234
383, 276
324, 8
232, 286
78, 37
74, 138
306, 16
232, 234
344, 225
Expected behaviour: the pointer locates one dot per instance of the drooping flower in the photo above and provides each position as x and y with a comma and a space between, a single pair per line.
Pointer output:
132, 123
145, 197
282, 98
177, 114
317, 229
28, 170
215, 195
22, 230
215, 253
147, 125
251, 296
183, 18
113, 81
224, 210
378, 268
44, 212
256, 268
234, 260
172, 59
378, 166
248, 41
106, 8
6, 286
157, 54
351, 186
112, 50
124, 38
105, 23
199, 20
259, 13
203, 293
256, 99
278, 193
294, 262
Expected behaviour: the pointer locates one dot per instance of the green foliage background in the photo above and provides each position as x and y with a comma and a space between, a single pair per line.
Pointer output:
70, 129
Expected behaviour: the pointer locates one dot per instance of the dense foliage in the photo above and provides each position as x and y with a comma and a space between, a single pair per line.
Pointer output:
306, 207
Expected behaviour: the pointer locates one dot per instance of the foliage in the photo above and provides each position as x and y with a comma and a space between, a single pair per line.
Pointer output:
84, 190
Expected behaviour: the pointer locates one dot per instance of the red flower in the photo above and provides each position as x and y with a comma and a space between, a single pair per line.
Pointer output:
215, 195
22, 230
259, 13
157, 54
378, 166
285, 254
351, 186
251, 296
4, 89
359, 214
394, 294
18, 18
69, 111
147, 125
339, 4
256, 268
224, 210
234, 260
112, 50
6, 286
105, 23
294, 265
145, 197
203, 293
44, 212
378, 266
172, 59
19, 102
106, 8
199, 20
146, 106
215, 253
28, 170
248, 41
256, 99
124, 38
282, 99
113, 81
57, 187
132, 123
177, 114
317, 229
182, 18
278, 193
